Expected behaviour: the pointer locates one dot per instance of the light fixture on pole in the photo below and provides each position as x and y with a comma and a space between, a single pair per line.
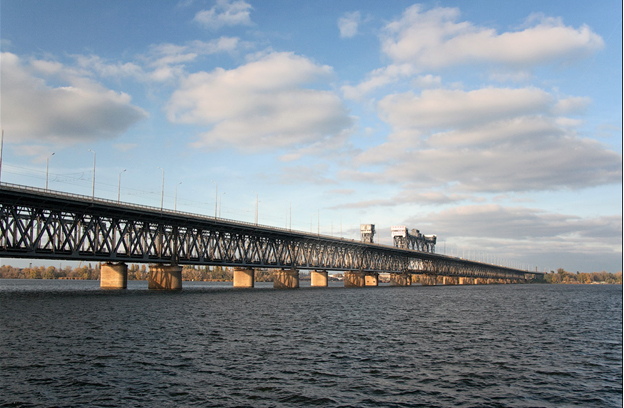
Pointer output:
119, 186
162, 191
175, 202
47, 167
93, 184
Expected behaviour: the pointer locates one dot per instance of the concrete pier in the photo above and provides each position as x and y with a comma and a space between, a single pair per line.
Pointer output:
428, 280
354, 279
114, 276
371, 280
400, 279
164, 277
466, 281
286, 279
449, 280
318, 279
244, 277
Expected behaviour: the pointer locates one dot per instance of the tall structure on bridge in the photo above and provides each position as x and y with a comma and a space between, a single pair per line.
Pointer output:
368, 233
404, 239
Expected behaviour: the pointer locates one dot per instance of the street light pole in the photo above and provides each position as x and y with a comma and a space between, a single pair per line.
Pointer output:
222, 194
1, 149
119, 186
93, 184
216, 195
175, 205
47, 167
256, 219
162, 191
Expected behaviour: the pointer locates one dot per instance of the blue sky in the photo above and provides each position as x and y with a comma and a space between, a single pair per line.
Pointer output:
495, 125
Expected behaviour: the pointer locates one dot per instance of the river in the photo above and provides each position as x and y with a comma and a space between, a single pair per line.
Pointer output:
68, 344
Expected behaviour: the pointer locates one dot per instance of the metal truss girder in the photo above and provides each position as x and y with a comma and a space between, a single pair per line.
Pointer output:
38, 224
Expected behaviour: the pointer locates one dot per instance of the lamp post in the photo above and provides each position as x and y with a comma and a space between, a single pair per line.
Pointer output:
162, 191
47, 167
1, 149
119, 186
216, 195
256, 208
93, 184
175, 202
222, 194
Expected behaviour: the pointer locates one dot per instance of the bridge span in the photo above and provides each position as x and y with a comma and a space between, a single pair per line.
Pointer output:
42, 224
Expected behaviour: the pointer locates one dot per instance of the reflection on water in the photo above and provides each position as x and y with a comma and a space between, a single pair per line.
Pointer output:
67, 343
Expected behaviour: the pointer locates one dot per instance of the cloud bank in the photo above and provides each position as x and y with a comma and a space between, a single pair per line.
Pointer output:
32, 109
266, 103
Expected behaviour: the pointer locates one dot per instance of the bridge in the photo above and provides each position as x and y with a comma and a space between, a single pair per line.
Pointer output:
42, 224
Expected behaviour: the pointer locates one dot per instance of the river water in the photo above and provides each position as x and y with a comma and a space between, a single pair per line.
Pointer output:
68, 344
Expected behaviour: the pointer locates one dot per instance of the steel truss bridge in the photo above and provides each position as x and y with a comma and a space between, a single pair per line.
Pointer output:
42, 224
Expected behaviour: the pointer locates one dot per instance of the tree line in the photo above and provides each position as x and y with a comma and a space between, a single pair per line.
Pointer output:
92, 272
563, 276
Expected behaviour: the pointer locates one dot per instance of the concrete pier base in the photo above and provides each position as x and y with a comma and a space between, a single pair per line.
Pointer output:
371, 280
164, 277
244, 277
400, 279
114, 276
354, 279
449, 280
318, 279
286, 279
428, 280
466, 281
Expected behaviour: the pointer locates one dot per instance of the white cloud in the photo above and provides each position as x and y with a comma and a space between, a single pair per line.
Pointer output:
376, 79
32, 109
518, 223
348, 24
225, 13
427, 81
261, 105
434, 39
489, 232
489, 140
440, 108
415, 196
163, 62
572, 105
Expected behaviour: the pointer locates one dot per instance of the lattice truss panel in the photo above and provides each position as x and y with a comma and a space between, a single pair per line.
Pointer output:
81, 231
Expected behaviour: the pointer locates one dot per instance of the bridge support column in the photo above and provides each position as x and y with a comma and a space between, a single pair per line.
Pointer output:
164, 277
371, 280
286, 279
448, 280
466, 281
400, 279
318, 279
354, 279
114, 276
428, 280
244, 277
